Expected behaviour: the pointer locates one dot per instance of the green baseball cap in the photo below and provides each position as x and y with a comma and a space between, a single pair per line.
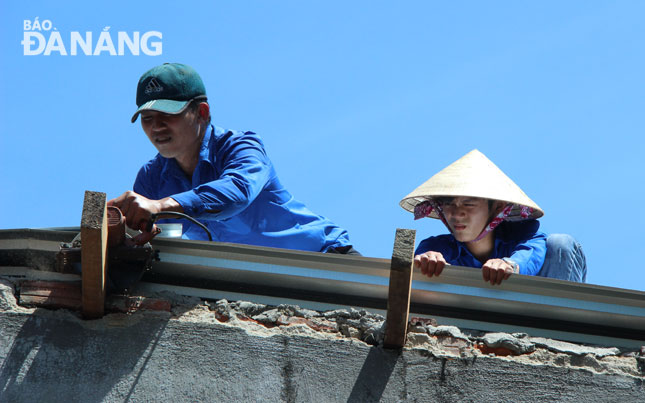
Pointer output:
168, 88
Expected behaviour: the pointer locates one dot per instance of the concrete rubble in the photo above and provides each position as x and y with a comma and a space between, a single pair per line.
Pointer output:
427, 342
367, 327
7, 299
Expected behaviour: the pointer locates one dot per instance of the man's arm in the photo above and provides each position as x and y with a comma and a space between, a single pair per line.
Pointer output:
245, 171
138, 211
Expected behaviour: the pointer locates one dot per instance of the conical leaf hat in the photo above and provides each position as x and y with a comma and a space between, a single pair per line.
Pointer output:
473, 175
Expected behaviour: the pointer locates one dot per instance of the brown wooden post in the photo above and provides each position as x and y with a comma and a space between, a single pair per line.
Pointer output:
94, 254
398, 300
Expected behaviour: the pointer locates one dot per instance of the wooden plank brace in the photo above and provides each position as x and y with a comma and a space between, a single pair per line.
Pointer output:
398, 300
94, 254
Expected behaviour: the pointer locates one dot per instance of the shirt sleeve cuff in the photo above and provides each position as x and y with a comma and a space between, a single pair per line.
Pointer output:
513, 263
190, 202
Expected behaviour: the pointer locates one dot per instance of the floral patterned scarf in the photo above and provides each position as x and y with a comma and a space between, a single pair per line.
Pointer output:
424, 209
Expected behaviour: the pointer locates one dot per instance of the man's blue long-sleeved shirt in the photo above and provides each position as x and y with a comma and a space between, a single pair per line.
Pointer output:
520, 241
236, 193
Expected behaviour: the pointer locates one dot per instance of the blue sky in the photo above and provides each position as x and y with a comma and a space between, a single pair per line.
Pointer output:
358, 103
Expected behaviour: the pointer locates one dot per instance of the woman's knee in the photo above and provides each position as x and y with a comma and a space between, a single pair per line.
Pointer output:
560, 243
564, 248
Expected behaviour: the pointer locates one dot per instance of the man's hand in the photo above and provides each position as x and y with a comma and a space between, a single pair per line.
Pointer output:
497, 270
138, 212
431, 263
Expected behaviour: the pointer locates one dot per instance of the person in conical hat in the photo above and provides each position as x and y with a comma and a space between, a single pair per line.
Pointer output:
493, 225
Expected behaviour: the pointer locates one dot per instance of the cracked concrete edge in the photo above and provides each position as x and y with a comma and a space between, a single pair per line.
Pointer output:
573, 349
359, 326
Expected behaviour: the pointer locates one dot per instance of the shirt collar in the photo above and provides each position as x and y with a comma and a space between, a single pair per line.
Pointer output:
463, 250
205, 150
171, 168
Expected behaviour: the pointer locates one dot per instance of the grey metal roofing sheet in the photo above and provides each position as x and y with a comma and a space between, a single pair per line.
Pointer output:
459, 293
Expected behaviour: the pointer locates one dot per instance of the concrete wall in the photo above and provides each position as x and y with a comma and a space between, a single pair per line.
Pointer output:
54, 356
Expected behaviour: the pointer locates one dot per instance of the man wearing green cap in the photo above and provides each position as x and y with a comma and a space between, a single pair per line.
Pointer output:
222, 178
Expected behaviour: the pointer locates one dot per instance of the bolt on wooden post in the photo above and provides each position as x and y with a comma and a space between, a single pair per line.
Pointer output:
94, 254
398, 300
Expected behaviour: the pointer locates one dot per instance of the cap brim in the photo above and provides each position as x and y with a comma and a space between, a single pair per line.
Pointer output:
168, 106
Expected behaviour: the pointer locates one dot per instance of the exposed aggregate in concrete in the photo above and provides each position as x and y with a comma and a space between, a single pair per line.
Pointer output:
425, 336
7, 298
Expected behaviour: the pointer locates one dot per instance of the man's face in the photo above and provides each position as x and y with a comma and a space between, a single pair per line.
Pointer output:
466, 216
174, 136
